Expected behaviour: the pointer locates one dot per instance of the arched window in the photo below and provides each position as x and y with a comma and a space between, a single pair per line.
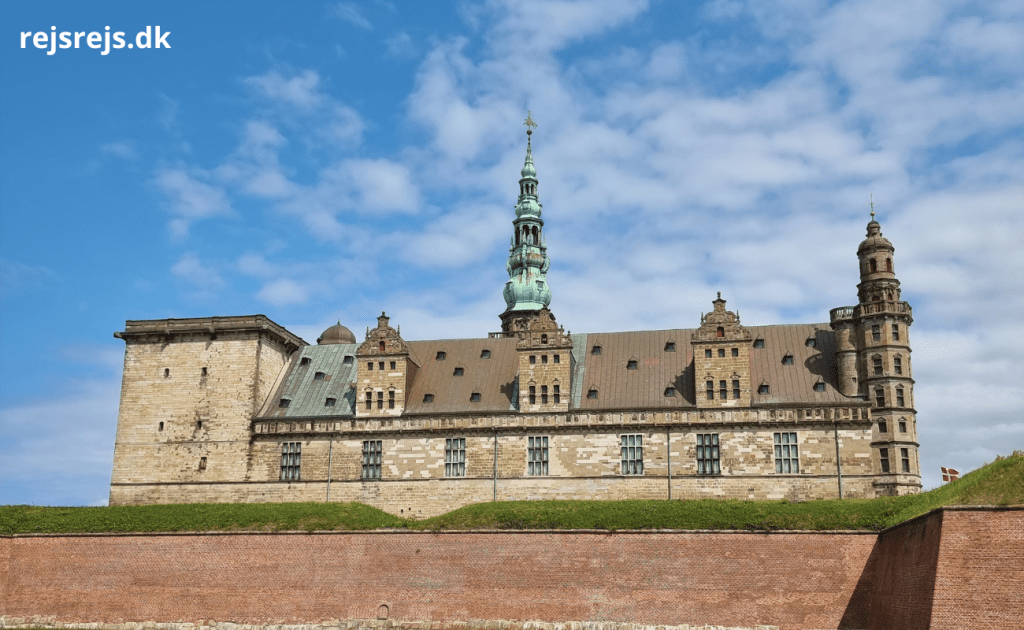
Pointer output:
888, 265
720, 332
382, 346
874, 265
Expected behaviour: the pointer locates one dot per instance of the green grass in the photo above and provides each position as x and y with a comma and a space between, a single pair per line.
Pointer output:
998, 483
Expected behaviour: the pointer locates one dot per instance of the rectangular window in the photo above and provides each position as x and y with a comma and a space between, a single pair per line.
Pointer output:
711, 390
903, 426
371, 459
883, 426
544, 358
759, 343
876, 332
877, 365
394, 365
787, 458
905, 459
558, 358
348, 359
291, 460
723, 391
369, 365
380, 400
883, 453
380, 365
899, 397
391, 399
544, 394
721, 353
897, 365
735, 389
533, 394
319, 376
202, 464
895, 332
556, 393
330, 402
735, 352
632, 455
762, 389
708, 461
533, 359
879, 397
455, 457
707, 353
369, 401
537, 455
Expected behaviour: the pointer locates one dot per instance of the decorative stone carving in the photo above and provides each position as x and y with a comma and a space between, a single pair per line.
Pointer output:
383, 333
727, 321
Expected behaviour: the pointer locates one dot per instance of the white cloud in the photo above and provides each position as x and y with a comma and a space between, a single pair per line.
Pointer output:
203, 278
349, 12
301, 91
122, 149
282, 292
189, 198
400, 46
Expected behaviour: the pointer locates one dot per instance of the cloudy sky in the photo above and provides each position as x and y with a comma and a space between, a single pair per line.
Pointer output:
319, 161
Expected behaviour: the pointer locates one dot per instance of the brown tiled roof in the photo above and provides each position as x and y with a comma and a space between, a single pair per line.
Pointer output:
618, 387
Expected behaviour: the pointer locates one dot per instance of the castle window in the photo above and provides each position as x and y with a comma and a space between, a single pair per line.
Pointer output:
558, 358
895, 332
720, 332
369, 365
543, 358
735, 389
459, 371
883, 454
544, 394
391, 399
348, 359
903, 426
533, 359
819, 386
762, 388
876, 364
474, 397
330, 402
708, 460
670, 346
787, 359
879, 397
905, 459
595, 350
380, 400
707, 353
199, 424
319, 376
537, 455
382, 347
380, 365
876, 332
202, 463
455, 457
394, 365
787, 459
203, 372
632, 454
291, 460
710, 387
557, 394
888, 265
544, 339
721, 353
811, 342
670, 392
167, 372
369, 401
485, 354
592, 394
428, 398
440, 355
874, 265
304, 361
631, 364
759, 343
161, 426
883, 426
735, 352
533, 394
897, 365
899, 397
371, 459
284, 402
723, 391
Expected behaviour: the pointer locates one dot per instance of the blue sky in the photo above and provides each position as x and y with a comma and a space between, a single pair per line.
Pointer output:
329, 160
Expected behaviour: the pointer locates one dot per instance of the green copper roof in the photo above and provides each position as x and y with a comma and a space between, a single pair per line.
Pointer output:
527, 288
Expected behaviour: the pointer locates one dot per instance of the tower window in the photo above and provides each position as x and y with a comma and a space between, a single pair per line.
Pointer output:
710, 390
319, 376
369, 365
394, 365
380, 365
874, 265
877, 365
631, 364
670, 392
735, 389
903, 426
440, 355
428, 398
895, 332
543, 358
735, 352
721, 353
558, 358
595, 350
787, 359
888, 265
879, 397
380, 400
883, 454
592, 394
283, 403
905, 459
391, 399
474, 397
330, 402
819, 386
897, 365
199, 424
759, 343
883, 426
533, 359
707, 353
762, 388
304, 361
544, 394
723, 391
899, 397
533, 394
348, 359
557, 393
876, 332
670, 346
485, 354
167, 372
203, 372
459, 371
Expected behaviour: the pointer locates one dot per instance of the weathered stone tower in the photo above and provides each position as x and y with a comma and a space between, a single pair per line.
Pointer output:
383, 372
721, 359
873, 361
545, 365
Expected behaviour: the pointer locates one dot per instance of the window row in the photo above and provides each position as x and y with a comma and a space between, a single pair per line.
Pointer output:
880, 400
556, 394
556, 358
348, 360
878, 368
883, 454
442, 355
707, 456
883, 426
721, 353
876, 332
380, 365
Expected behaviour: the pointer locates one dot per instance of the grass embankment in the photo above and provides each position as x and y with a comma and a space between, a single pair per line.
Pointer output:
998, 483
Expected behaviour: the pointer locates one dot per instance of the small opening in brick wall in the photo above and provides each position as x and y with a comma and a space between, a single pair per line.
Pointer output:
382, 611
202, 463
161, 426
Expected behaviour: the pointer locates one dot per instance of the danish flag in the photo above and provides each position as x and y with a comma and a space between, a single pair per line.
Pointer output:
949, 474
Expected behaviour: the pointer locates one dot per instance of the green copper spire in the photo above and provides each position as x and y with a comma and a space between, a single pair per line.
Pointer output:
527, 290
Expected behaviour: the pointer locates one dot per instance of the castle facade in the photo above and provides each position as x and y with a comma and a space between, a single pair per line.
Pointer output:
239, 409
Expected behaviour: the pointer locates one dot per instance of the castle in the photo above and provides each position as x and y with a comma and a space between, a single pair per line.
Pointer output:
239, 409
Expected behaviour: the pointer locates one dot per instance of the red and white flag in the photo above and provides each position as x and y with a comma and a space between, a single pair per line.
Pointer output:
949, 474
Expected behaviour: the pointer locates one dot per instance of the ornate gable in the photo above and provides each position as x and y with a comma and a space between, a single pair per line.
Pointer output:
720, 324
541, 331
382, 340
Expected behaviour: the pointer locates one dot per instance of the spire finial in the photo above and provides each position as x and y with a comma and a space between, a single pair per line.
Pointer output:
530, 125
872, 204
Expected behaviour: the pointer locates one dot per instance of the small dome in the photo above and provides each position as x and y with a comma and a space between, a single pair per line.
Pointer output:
336, 334
874, 240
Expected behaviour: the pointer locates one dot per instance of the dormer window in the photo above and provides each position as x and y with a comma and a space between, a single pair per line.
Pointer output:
670, 392
819, 386
304, 361
787, 359
592, 394
474, 397
811, 342
485, 354
670, 346
319, 376
348, 359
595, 350
459, 371
284, 402
762, 388
428, 398
330, 402
631, 364
759, 343
440, 355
